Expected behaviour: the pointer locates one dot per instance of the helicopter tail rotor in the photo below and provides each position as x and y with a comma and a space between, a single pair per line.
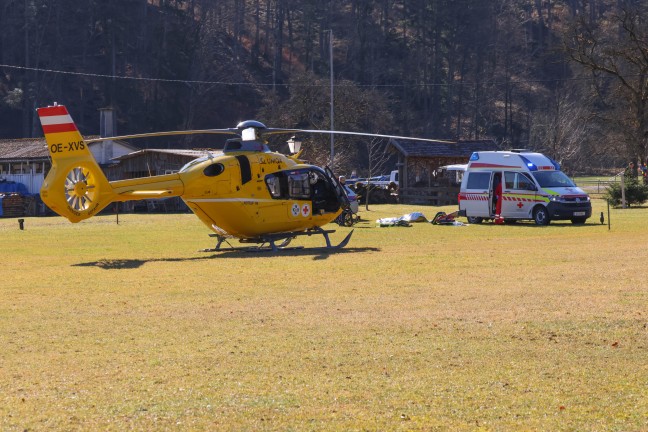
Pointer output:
75, 187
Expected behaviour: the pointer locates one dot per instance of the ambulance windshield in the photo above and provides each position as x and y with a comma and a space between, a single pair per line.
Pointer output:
551, 179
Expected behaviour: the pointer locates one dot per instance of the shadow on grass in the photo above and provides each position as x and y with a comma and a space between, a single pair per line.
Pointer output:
529, 224
553, 224
317, 254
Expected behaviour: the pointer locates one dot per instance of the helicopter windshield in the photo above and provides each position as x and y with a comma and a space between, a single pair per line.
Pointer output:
291, 185
298, 185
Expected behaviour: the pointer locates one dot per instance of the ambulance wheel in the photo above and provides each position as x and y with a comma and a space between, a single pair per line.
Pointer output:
541, 216
474, 220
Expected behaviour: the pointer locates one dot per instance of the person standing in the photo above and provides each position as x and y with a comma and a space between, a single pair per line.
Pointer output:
631, 171
497, 182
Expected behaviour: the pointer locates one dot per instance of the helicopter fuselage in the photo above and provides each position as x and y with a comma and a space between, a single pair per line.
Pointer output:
250, 193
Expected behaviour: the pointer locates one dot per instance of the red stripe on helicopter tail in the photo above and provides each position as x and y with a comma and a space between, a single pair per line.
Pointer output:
56, 119
63, 127
52, 111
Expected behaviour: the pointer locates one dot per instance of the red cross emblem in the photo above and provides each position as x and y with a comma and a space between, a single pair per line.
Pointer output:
520, 205
305, 210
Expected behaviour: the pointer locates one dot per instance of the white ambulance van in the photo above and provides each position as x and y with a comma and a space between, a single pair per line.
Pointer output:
532, 187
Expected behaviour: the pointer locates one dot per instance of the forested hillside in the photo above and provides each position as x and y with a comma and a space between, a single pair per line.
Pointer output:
568, 77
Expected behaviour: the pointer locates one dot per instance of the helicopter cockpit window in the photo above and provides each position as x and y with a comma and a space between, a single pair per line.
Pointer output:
299, 185
274, 186
279, 185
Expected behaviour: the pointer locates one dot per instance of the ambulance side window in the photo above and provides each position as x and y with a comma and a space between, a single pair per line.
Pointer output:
518, 181
478, 180
525, 183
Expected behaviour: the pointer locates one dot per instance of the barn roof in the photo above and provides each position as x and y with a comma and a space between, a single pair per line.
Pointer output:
12, 150
24, 149
410, 148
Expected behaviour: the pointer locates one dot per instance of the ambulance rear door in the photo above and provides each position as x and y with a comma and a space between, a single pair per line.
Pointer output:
476, 195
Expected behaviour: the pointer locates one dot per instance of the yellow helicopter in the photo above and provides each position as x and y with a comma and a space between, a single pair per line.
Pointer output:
246, 192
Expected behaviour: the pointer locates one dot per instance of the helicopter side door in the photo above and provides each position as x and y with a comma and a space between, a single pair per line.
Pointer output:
343, 199
288, 188
323, 192
311, 184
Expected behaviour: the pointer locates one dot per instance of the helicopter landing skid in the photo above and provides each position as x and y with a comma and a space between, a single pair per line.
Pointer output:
268, 242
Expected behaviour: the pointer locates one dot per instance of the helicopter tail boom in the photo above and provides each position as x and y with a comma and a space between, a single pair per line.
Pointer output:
154, 187
75, 186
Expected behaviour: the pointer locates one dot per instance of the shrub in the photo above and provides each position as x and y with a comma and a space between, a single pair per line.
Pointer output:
635, 192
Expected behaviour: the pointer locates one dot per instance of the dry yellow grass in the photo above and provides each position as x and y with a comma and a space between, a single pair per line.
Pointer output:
114, 327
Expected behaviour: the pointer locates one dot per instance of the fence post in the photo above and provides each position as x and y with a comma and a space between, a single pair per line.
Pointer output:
623, 199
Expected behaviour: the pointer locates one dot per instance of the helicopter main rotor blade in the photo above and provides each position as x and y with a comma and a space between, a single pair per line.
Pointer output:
168, 133
267, 131
274, 131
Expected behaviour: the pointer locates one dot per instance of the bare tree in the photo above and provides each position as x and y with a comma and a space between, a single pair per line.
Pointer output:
378, 158
615, 51
356, 110
561, 128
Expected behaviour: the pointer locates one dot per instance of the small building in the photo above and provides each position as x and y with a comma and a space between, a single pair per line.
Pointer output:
419, 164
25, 161
24, 164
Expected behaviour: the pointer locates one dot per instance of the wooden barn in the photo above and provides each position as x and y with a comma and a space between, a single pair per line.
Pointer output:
24, 164
24, 161
27, 160
419, 173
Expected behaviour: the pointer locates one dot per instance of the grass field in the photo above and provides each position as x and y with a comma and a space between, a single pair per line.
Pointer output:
481, 327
